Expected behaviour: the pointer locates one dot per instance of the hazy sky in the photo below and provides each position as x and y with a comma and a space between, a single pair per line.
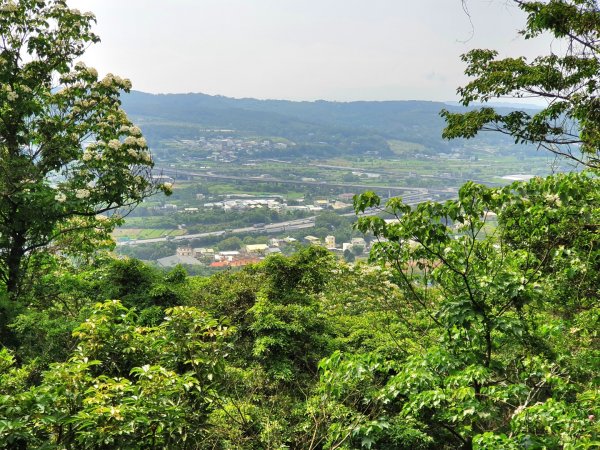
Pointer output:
300, 49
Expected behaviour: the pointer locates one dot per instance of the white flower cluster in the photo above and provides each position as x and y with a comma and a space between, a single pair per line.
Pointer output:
92, 148
390, 285
10, 5
68, 78
553, 199
10, 94
82, 193
87, 155
110, 80
114, 144
60, 197
135, 131
81, 66
139, 155
85, 103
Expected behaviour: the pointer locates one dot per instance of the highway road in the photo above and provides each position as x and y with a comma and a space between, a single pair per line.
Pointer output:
278, 227
307, 222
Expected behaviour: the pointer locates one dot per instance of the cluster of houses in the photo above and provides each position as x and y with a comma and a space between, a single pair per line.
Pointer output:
228, 149
251, 253
274, 202
242, 202
330, 244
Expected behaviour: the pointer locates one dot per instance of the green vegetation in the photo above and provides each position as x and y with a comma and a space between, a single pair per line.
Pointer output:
145, 233
474, 324
70, 157
501, 304
568, 126
456, 340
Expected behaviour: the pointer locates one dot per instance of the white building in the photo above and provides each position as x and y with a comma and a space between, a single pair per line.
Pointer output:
184, 251
201, 252
330, 241
312, 240
256, 248
358, 241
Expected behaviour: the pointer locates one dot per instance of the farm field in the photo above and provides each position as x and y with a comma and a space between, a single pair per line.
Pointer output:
145, 233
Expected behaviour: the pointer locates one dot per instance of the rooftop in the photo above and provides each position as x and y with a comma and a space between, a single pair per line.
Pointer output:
172, 261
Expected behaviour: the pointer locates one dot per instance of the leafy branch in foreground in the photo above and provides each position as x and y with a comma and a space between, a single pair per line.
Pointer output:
569, 125
497, 276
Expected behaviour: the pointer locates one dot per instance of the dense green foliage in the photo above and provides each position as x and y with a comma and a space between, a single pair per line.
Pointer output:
515, 357
68, 151
456, 335
474, 325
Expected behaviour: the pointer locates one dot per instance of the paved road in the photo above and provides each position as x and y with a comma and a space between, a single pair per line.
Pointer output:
278, 227
297, 224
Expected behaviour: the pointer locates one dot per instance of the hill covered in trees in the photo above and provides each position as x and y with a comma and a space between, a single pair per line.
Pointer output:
465, 338
348, 127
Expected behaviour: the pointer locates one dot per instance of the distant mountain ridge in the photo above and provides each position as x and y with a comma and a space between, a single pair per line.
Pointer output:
364, 124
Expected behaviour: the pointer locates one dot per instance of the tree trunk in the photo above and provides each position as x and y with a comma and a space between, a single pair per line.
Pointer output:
13, 265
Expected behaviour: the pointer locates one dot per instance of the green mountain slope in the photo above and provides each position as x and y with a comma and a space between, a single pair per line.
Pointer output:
336, 127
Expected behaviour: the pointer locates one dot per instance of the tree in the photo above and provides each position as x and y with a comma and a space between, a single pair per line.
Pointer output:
570, 123
125, 386
289, 328
349, 256
70, 158
513, 303
232, 243
488, 305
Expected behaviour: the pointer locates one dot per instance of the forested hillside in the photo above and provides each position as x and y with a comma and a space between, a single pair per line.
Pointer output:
340, 124
473, 325
461, 339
